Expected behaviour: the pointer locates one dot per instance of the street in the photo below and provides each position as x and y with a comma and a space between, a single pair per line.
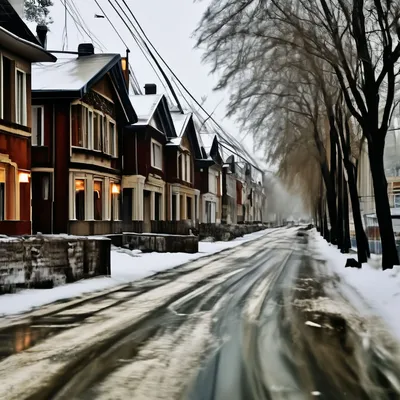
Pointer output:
265, 320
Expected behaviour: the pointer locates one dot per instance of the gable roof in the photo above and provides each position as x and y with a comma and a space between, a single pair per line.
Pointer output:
182, 124
12, 22
148, 105
17, 37
71, 78
145, 106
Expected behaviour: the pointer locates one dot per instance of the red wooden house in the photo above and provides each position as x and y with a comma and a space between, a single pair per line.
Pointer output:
80, 109
18, 49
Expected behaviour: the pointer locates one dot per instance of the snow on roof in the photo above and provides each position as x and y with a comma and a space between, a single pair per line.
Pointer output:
174, 142
180, 121
145, 105
69, 74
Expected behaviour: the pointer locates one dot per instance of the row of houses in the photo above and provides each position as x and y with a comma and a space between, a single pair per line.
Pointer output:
80, 154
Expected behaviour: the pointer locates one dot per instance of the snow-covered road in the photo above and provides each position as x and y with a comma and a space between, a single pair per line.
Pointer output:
267, 320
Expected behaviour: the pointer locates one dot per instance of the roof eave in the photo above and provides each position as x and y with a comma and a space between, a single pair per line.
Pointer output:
29, 50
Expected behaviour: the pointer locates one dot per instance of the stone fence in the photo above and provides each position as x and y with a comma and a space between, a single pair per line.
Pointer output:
149, 242
227, 232
45, 261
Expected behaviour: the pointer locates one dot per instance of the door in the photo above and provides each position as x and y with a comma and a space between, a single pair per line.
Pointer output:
42, 202
146, 211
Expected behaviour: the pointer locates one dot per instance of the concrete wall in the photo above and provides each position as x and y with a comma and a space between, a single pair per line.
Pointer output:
227, 232
161, 243
47, 261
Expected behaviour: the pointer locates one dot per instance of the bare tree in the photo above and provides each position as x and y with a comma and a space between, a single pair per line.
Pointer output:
358, 39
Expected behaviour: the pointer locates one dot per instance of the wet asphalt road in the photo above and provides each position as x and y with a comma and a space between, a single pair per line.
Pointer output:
264, 321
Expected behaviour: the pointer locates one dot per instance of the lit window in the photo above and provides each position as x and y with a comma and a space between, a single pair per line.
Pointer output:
156, 155
37, 126
80, 199
20, 98
115, 201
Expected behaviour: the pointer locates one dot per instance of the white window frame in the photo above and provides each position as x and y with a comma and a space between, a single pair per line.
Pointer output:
187, 168
25, 106
89, 125
34, 109
154, 142
396, 195
114, 153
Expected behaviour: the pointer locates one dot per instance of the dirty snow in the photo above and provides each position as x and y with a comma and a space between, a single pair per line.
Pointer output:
126, 266
381, 289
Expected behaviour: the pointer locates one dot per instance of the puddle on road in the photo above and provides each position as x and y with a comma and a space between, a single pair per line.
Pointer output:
19, 338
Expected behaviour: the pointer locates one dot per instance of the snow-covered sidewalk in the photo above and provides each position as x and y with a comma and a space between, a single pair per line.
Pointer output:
126, 266
380, 289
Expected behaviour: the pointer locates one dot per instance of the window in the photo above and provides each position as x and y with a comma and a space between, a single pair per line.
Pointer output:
45, 187
20, 98
80, 199
180, 166
37, 126
156, 155
187, 175
106, 136
78, 134
112, 138
97, 131
98, 200
89, 128
212, 182
115, 201
396, 200
157, 206
189, 207
174, 203
210, 212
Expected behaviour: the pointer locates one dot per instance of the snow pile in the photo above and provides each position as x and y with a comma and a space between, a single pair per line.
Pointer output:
126, 266
381, 289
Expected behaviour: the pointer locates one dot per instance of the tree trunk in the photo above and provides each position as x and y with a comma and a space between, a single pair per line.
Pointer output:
331, 201
390, 256
340, 216
346, 223
361, 238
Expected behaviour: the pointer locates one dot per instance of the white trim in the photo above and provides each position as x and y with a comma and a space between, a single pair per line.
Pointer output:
34, 109
153, 141
25, 106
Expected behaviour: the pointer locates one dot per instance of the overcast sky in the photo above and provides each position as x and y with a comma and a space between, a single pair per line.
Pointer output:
169, 24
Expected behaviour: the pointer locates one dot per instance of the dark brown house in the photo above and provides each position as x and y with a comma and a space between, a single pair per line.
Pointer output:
80, 109
144, 176
18, 49
183, 186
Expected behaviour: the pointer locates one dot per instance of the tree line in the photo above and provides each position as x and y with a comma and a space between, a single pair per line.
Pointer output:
315, 82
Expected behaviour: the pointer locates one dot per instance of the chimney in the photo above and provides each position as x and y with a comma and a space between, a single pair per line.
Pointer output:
18, 6
125, 68
85, 49
41, 31
150, 88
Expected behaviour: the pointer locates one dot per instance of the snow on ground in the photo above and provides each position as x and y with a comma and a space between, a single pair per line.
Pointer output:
381, 289
126, 266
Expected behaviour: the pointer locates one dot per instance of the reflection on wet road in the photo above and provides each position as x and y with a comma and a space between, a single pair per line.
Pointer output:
264, 321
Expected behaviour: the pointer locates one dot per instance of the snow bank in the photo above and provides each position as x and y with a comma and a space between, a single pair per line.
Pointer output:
126, 266
381, 289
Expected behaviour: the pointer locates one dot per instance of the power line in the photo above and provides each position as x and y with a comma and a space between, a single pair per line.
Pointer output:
147, 48
184, 87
